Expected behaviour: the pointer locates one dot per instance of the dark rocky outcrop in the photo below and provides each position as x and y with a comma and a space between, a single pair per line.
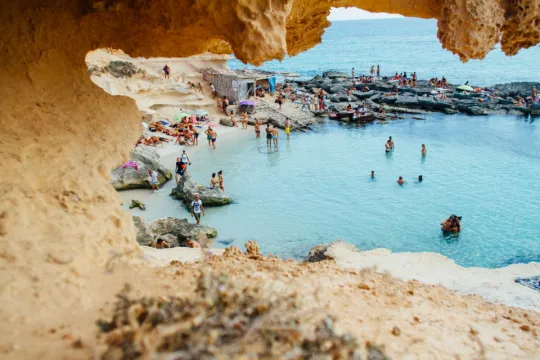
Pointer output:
335, 75
325, 251
174, 231
121, 69
187, 188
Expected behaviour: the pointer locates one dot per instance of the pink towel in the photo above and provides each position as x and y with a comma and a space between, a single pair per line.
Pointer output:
132, 164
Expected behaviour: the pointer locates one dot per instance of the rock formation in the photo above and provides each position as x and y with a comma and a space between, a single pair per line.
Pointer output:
180, 229
61, 134
187, 188
147, 159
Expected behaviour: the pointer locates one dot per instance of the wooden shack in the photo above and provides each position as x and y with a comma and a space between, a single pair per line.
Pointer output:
235, 85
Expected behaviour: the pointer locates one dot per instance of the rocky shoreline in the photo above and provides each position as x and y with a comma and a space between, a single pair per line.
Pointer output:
419, 99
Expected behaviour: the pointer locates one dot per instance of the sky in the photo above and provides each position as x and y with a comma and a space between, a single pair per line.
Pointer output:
357, 14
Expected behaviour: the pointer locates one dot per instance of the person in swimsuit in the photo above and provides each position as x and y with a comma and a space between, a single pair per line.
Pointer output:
213, 134
372, 172
424, 150
233, 119
401, 181
288, 128
275, 136
387, 146
221, 181
161, 244
378, 71
245, 120
391, 142
208, 133
214, 181
257, 129
195, 135
197, 209
279, 100
420, 178
268, 135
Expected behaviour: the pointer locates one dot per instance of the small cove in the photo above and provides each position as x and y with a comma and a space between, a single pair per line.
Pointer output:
317, 188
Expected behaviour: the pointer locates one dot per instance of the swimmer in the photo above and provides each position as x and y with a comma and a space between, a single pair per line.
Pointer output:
420, 178
372, 174
387, 146
288, 128
424, 150
401, 181
391, 142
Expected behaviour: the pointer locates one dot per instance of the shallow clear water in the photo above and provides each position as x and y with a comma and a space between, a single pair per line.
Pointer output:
399, 45
317, 188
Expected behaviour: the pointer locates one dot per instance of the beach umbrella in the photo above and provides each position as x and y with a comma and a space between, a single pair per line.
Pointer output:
180, 116
465, 88
201, 112
246, 103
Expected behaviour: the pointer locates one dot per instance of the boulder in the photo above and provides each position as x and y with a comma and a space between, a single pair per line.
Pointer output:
175, 230
407, 101
226, 121
334, 98
516, 88
408, 90
146, 159
335, 75
336, 89
388, 99
121, 69
187, 188
326, 251
363, 95
430, 104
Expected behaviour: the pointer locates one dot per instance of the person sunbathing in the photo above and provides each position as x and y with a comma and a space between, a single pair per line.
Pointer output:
161, 244
349, 107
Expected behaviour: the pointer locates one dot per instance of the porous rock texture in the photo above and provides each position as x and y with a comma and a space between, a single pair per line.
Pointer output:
60, 219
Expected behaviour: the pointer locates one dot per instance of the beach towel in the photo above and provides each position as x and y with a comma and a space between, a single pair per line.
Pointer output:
533, 282
132, 164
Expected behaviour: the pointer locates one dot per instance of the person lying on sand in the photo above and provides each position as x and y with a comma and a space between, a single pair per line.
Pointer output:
161, 244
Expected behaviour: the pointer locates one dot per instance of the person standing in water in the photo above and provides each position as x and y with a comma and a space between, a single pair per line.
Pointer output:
154, 182
420, 178
268, 135
372, 70
378, 71
245, 120
275, 136
288, 128
221, 181
387, 146
391, 142
208, 133
197, 209
401, 181
214, 181
184, 158
424, 150
372, 172
257, 129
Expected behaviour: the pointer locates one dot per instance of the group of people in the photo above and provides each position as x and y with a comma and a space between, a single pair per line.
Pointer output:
217, 181
222, 103
389, 147
442, 83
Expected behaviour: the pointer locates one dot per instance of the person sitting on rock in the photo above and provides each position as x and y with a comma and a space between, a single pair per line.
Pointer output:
161, 244
192, 244
214, 181
349, 107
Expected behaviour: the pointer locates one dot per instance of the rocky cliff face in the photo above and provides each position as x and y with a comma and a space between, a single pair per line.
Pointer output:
62, 135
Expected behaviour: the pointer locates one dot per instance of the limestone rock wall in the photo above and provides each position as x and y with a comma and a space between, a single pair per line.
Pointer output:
61, 135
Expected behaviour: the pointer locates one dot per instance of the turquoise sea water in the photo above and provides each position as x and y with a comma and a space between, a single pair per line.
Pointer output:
317, 188
399, 45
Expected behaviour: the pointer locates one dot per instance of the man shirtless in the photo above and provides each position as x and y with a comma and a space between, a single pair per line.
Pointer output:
257, 129
161, 244
233, 119
268, 135
245, 120
275, 136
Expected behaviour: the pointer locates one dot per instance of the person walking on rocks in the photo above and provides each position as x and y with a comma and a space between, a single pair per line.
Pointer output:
167, 71
197, 209
184, 158
154, 182
180, 169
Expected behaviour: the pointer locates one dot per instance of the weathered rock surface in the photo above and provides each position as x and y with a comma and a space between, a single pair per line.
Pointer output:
187, 188
121, 69
335, 75
175, 230
147, 159
325, 251
226, 121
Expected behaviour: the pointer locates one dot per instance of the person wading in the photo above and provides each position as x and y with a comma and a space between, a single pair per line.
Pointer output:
197, 209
